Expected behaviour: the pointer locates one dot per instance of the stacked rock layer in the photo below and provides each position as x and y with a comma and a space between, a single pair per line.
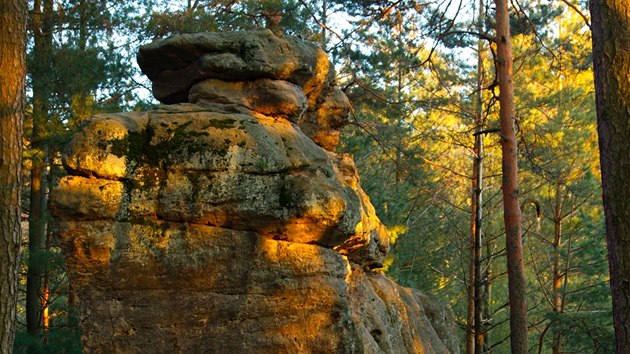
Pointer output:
223, 223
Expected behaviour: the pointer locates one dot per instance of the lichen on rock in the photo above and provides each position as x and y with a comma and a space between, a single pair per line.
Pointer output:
224, 222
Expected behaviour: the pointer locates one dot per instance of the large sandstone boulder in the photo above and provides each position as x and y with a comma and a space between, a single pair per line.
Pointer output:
215, 225
258, 70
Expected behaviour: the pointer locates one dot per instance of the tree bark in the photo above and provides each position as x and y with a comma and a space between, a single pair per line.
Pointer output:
611, 62
487, 299
556, 346
12, 80
470, 290
509, 167
40, 72
474, 330
478, 213
478, 189
477, 241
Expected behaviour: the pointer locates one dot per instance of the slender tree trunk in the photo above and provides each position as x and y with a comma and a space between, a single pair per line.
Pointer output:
399, 173
556, 346
474, 333
509, 166
611, 61
40, 74
36, 247
323, 42
487, 296
477, 214
478, 210
470, 289
12, 80
478, 190
46, 290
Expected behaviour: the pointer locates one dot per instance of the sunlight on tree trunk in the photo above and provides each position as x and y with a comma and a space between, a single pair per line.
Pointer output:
509, 165
12, 79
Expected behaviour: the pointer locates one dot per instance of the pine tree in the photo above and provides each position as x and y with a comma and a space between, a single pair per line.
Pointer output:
611, 60
12, 79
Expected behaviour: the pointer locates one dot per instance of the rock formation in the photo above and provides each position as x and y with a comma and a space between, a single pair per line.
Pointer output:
224, 223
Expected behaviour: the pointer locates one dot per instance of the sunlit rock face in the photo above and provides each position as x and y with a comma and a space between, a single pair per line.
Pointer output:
224, 223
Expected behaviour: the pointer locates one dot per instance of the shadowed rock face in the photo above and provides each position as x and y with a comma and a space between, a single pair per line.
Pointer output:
217, 225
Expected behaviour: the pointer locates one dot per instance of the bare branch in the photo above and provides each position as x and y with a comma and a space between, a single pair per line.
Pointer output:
587, 21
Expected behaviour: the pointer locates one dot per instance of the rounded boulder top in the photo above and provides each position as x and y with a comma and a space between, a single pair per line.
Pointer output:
176, 63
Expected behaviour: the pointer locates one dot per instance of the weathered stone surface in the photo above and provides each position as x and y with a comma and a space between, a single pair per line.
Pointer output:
278, 77
172, 287
275, 98
175, 64
441, 319
223, 226
88, 198
377, 303
262, 239
236, 170
94, 154
324, 124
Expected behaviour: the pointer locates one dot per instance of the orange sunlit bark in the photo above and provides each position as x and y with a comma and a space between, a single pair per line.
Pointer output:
45, 310
509, 167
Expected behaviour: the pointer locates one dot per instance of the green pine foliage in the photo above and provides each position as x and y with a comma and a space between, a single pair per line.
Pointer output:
87, 67
411, 139
227, 15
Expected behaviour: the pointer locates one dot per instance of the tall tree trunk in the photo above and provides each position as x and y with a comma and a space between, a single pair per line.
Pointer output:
556, 346
46, 292
611, 61
12, 80
478, 213
509, 167
477, 241
478, 188
475, 334
487, 298
470, 290
323, 42
42, 31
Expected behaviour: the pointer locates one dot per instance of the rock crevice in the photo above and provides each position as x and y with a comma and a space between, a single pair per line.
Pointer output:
223, 222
